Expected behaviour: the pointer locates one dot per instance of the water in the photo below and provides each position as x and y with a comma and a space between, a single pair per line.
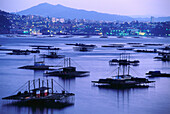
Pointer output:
88, 98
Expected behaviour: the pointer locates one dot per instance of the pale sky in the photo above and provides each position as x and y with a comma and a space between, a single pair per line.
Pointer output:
120, 7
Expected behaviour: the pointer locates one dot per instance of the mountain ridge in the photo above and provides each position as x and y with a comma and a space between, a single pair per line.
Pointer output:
60, 11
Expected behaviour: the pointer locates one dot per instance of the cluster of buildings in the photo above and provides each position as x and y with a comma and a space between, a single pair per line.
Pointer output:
35, 25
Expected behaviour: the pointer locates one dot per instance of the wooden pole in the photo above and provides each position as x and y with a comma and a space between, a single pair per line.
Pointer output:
39, 82
69, 62
42, 83
52, 85
29, 86
47, 82
34, 83
128, 69
118, 72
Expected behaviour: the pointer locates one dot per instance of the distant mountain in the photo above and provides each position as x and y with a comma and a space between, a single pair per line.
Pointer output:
162, 19
60, 11
156, 19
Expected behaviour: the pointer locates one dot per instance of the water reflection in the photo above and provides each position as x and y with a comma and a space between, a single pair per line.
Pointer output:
38, 74
31, 110
68, 84
123, 97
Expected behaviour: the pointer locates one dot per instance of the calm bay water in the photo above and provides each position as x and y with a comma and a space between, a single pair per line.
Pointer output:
89, 99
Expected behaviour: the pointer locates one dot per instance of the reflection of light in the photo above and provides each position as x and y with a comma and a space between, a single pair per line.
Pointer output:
141, 33
100, 33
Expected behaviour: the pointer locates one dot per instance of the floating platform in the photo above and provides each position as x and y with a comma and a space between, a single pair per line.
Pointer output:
67, 71
123, 81
157, 74
42, 96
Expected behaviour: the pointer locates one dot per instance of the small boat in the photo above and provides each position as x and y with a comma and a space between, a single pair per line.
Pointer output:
52, 55
42, 96
153, 44
147, 51
38, 65
134, 43
81, 44
67, 71
33, 51
164, 57
123, 81
43, 47
124, 60
113, 45
128, 49
19, 52
83, 47
157, 74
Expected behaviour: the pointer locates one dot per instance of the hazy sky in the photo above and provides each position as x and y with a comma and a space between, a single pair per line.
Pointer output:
121, 7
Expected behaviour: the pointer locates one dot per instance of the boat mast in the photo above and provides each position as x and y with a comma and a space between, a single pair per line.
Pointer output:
42, 83
47, 83
123, 70
29, 86
69, 62
34, 83
120, 56
128, 70
118, 72
47, 87
39, 82
52, 85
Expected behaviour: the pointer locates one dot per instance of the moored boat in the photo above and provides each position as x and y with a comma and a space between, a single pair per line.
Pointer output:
41, 96
157, 74
19, 52
38, 65
124, 60
67, 71
123, 81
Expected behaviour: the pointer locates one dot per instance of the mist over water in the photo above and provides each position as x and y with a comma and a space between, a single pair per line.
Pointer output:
89, 99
